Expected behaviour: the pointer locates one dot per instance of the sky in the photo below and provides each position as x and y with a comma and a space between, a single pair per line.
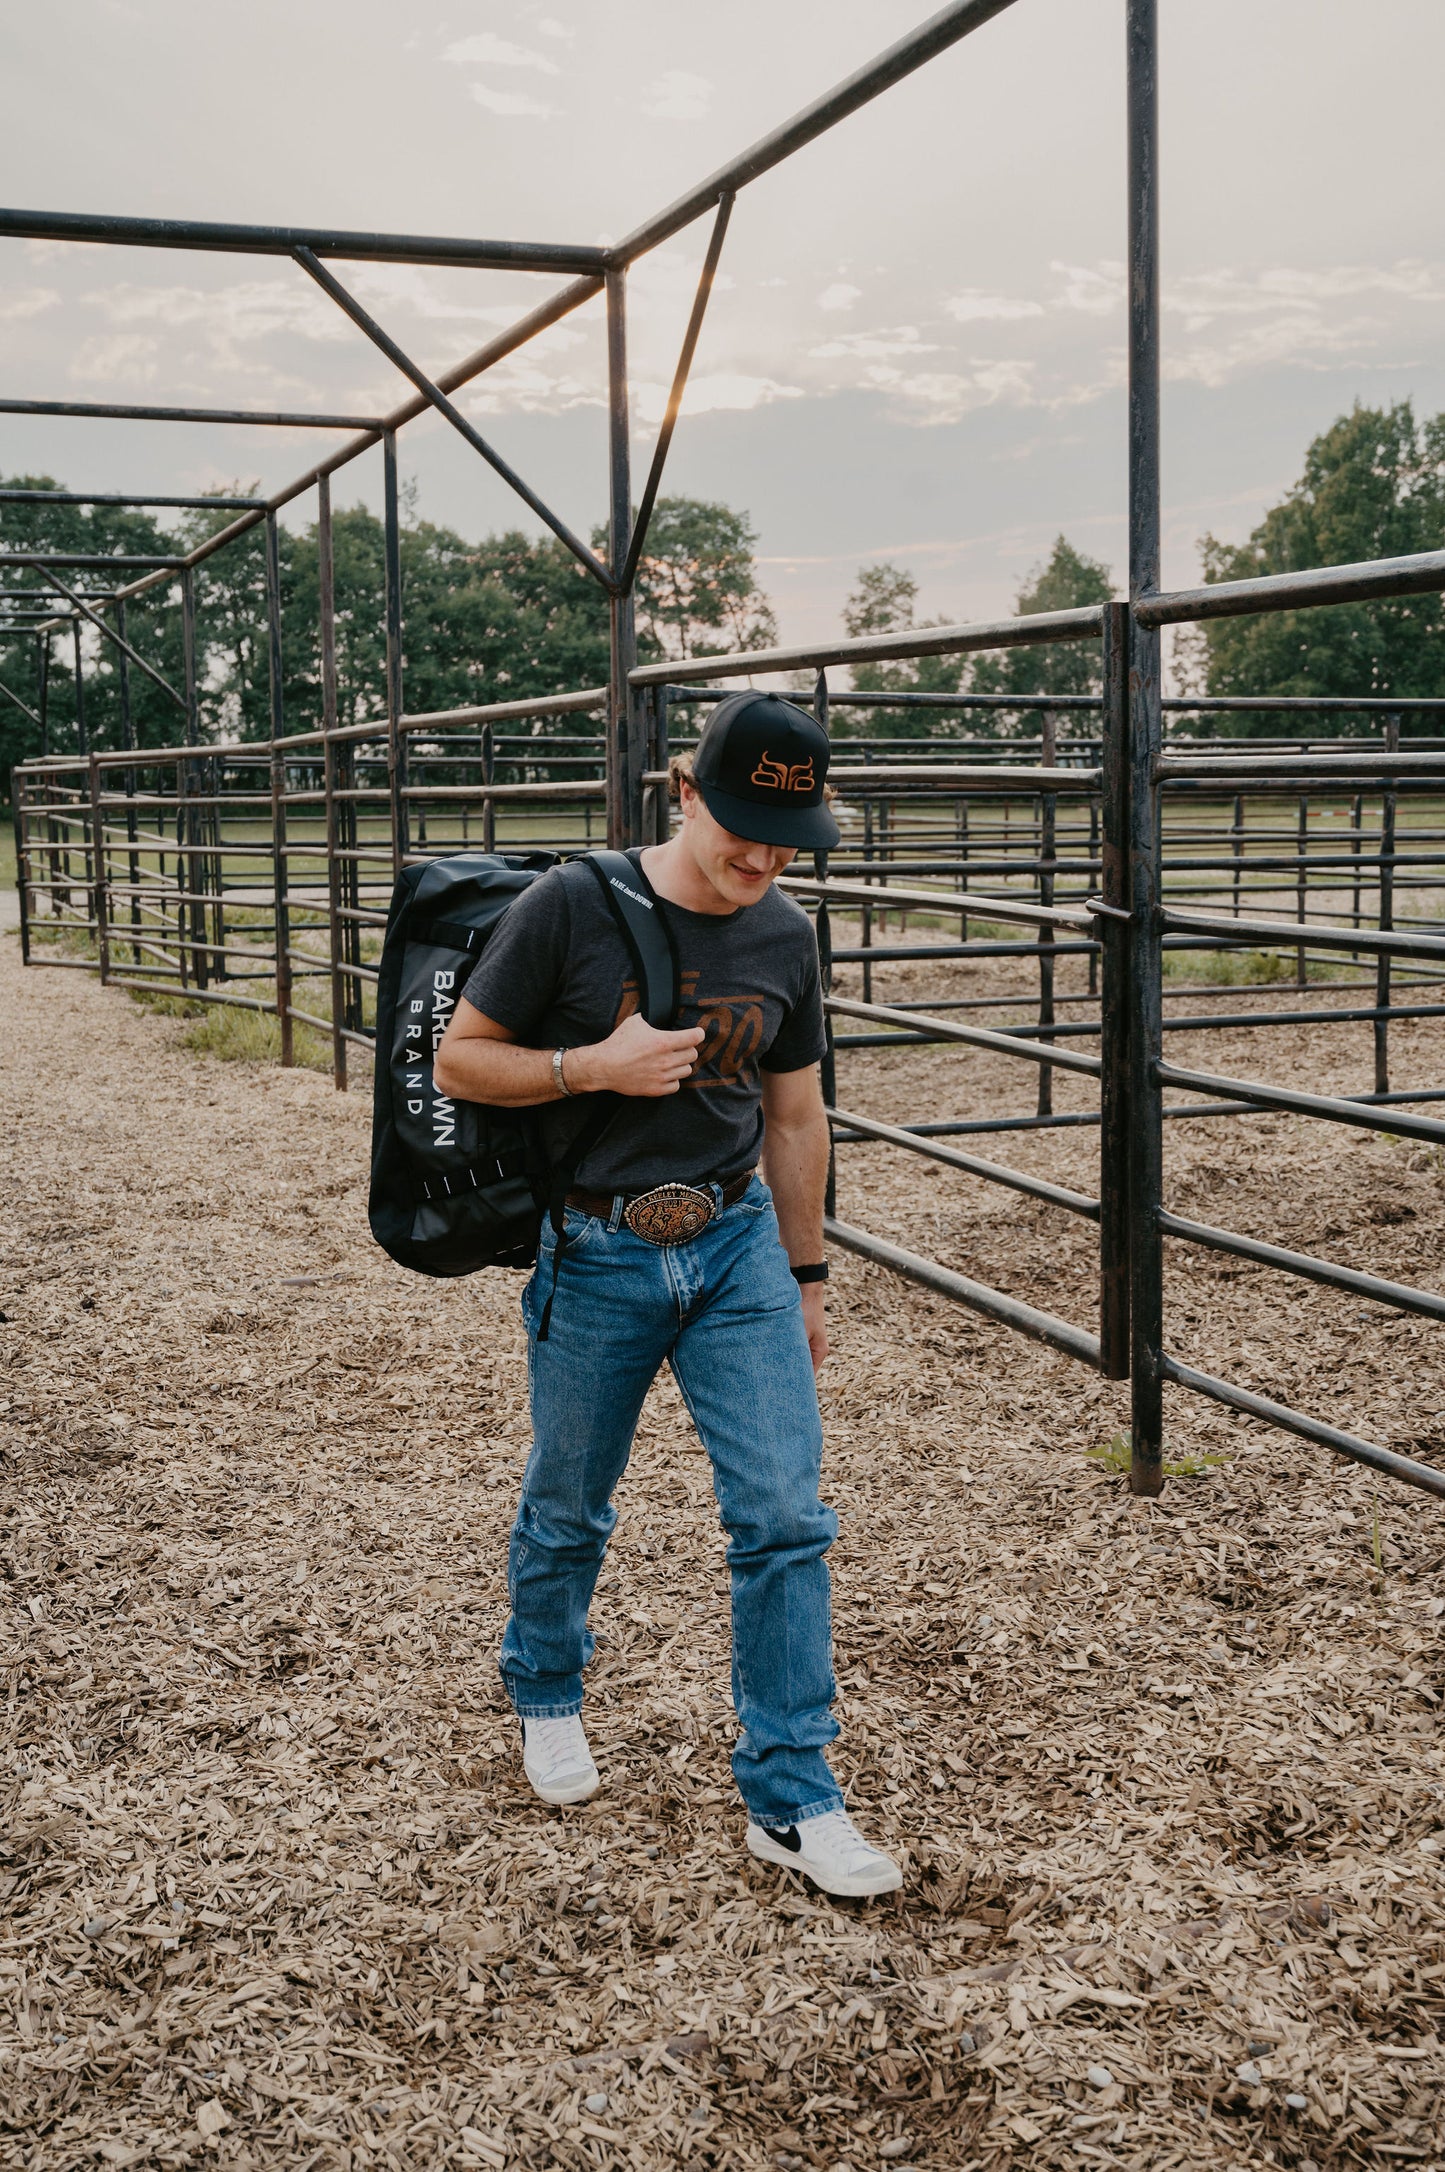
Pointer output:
915, 348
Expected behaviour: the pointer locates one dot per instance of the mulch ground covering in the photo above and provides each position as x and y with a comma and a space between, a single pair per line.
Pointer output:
1166, 1776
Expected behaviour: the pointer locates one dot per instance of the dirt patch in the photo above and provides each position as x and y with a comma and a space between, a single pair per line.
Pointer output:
1167, 1776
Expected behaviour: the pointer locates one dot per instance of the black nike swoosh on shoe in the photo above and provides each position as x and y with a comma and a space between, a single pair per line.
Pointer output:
787, 1836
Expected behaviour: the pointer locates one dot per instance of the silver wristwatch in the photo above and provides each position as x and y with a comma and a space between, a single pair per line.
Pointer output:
557, 1079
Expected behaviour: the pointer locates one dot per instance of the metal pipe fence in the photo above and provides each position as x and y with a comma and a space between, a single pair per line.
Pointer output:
1101, 855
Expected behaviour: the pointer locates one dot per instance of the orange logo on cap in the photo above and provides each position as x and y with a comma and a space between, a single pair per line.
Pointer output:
782, 778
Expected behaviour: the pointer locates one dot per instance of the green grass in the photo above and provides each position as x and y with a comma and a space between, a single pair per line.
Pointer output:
238, 1036
1117, 1457
1244, 968
234, 1034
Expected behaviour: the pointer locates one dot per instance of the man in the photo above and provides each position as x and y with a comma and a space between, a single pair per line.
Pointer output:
676, 1252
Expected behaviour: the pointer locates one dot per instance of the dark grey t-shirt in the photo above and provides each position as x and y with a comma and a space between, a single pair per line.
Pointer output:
557, 972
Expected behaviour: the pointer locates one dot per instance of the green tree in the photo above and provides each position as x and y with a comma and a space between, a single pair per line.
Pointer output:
500, 620
885, 600
697, 582
1067, 581
1373, 486
153, 628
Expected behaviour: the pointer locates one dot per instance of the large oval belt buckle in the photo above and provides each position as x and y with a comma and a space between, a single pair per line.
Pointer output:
669, 1214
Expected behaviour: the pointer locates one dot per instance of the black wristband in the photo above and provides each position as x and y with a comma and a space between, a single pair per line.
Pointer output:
812, 1274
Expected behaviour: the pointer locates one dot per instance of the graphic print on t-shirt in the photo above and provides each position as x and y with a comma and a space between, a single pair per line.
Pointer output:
732, 1030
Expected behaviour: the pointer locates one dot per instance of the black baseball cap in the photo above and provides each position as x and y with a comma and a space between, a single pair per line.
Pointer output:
761, 766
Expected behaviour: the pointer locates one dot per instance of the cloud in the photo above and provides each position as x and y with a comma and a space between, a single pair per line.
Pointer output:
940, 396
677, 96
489, 51
975, 307
839, 296
251, 309
1307, 342
28, 302
1202, 296
551, 28
903, 339
1095, 290
410, 287
724, 391
522, 387
1235, 321
115, 358
515, 105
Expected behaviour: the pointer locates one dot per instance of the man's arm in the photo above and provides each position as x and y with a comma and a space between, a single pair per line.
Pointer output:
795, 1166
478, 1060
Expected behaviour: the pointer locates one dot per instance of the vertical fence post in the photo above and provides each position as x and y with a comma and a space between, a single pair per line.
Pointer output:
662, 758
42, 698
828, 1070
1238, 846
1114, 1140
865, 916
489, 776
626, 729
279, 884
1384, 962
189, 684
326, 593
196, 876
81, 733
1146, 1128
18, 811
183, 816
1094, 855
127, 731
98, 867
396, 764
1048, 844
1301, 888
83, 744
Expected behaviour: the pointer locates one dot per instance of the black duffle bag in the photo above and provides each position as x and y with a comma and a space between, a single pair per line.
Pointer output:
458, 1185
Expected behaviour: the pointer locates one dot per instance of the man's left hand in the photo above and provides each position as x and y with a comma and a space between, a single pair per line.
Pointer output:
815, 1320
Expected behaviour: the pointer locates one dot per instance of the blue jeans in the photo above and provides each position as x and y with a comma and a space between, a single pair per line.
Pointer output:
725, 1313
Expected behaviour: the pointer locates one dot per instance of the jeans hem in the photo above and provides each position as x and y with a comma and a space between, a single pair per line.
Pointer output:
545, 1711
800, 1815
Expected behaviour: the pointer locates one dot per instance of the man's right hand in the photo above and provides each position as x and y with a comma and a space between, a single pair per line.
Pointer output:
636, 1059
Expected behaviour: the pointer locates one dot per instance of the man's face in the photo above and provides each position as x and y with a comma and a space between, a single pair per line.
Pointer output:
740, 870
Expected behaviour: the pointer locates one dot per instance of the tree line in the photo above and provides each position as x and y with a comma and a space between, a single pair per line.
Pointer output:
1372, 486
513, 616
503, 619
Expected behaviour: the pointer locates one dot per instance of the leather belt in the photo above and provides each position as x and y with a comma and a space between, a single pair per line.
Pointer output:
669, 1213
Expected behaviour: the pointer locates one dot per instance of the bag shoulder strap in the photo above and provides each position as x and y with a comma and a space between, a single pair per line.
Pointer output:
634, 906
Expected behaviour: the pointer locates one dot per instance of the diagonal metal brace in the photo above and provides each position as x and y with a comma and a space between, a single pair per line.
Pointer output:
433, 392
11, 695
679, 386
111, 635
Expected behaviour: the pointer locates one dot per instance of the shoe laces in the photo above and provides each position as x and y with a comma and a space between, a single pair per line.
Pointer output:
845, 1836
560, 1741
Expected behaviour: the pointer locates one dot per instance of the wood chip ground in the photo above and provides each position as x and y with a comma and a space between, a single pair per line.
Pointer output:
1166, 1777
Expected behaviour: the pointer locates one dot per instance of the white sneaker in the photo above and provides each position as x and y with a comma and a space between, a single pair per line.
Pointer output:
831, 1851
556, 1759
